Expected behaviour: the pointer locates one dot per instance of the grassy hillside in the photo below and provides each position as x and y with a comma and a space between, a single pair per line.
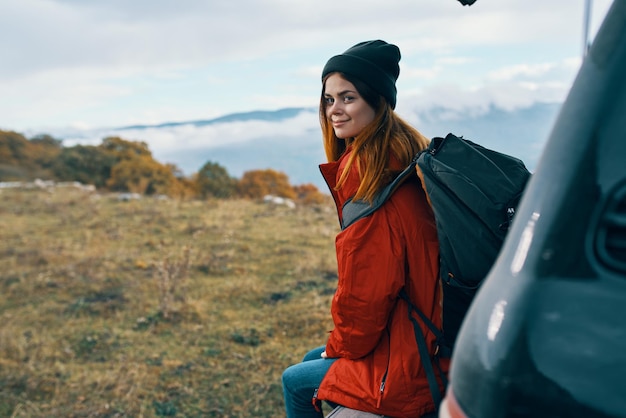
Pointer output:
154, 308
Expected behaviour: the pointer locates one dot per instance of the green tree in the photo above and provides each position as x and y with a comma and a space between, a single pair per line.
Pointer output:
46, 149
84, 163
213, 180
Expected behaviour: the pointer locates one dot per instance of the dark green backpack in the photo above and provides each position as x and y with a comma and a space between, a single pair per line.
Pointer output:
474, 192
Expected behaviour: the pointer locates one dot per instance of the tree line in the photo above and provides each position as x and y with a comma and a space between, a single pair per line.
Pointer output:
119, 165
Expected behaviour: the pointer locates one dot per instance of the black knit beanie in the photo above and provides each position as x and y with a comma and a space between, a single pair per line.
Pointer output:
373, 62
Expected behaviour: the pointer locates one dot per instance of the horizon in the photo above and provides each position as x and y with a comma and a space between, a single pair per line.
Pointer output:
290, 140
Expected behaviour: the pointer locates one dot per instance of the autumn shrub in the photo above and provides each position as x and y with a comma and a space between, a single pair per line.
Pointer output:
259, 183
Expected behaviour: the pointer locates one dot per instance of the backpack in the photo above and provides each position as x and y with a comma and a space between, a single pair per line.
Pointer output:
473, 192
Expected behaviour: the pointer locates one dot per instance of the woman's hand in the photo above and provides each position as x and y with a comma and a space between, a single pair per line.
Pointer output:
323, 355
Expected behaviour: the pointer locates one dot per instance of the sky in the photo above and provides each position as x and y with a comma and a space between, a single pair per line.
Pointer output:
86, 64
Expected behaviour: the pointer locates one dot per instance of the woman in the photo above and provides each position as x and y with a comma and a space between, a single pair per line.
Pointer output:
370, 361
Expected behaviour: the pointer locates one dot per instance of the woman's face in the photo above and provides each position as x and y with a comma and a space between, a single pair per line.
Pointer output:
346, 110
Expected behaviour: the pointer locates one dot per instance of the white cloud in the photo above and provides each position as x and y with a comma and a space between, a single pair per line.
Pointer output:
190, 136
111, 63
454, 100
429, 73
521, 70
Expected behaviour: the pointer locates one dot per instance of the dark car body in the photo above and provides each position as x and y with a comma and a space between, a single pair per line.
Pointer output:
546, 334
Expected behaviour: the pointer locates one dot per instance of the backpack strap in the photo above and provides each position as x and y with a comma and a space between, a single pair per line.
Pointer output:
441, 351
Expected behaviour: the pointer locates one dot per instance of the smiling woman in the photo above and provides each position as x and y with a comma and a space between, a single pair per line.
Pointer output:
366, 363
347, 111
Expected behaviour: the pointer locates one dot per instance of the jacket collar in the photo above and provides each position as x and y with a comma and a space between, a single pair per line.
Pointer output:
332, 171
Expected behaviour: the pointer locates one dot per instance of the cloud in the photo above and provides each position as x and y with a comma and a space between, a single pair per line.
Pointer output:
193, 136
110, 63
534, 71
507, 87
453, 102
166, 34
508, 73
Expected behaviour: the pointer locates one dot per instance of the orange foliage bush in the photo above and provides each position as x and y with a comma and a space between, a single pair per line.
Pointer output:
259, 183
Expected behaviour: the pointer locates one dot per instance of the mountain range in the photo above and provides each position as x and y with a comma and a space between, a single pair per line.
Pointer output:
289, 140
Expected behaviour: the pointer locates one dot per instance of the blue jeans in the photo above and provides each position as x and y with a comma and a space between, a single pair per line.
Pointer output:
300, 382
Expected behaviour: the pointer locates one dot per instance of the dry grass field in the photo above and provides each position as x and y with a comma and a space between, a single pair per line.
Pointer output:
155, 308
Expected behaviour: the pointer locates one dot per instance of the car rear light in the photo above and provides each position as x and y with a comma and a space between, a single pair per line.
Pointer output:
450, 408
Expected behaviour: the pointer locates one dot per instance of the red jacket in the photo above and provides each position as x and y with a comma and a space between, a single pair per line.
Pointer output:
379, 369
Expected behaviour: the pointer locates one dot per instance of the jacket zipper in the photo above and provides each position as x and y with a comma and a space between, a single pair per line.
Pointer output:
382, 388
383, 382
315, 401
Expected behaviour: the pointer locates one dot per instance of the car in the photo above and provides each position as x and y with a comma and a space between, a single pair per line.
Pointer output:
546, 333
